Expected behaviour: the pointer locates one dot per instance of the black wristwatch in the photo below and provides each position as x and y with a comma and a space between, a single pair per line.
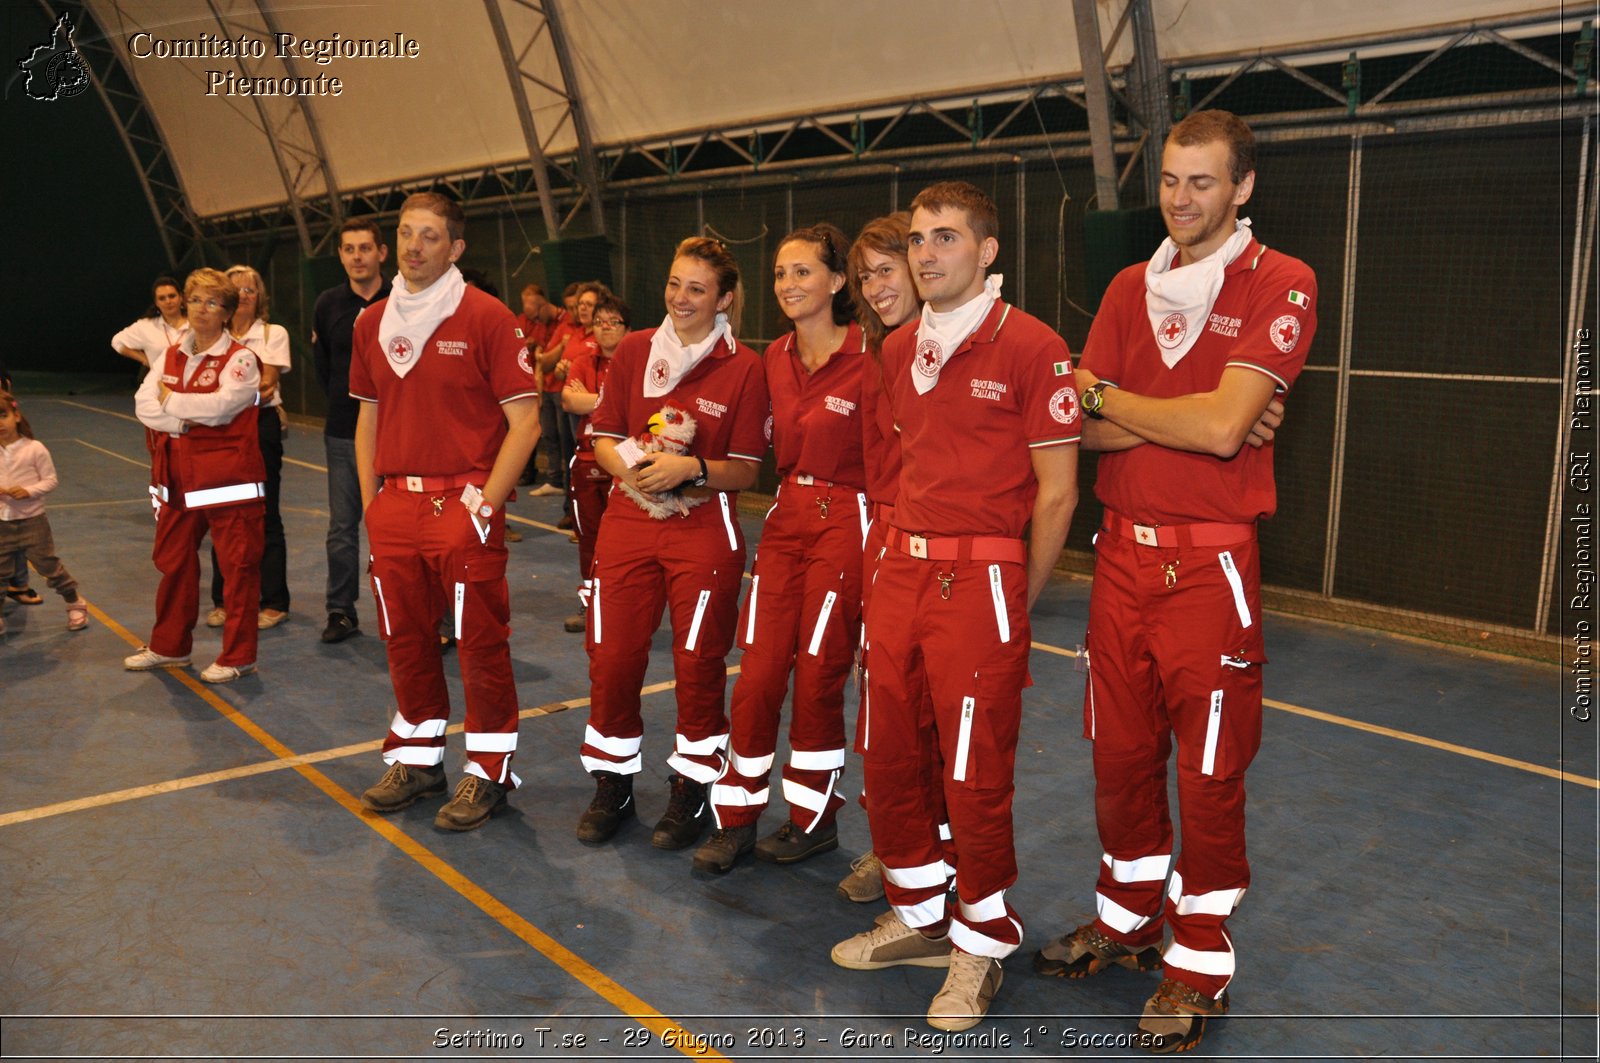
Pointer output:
700, 481
1093, 398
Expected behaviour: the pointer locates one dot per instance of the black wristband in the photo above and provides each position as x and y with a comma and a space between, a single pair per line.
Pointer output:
700, 481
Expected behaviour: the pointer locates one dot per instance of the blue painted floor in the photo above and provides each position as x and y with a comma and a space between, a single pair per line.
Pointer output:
184, 875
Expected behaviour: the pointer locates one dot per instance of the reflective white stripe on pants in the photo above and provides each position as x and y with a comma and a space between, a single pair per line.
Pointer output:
822, 623
216, 496
383, 607
1237, 586
426, 729
416, 756
694, 627
1144, 869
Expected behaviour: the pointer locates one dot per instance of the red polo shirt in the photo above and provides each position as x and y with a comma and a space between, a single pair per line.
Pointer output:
816, 417
966, 445
726, 394
573, 333
880, 443
443, 418
1254, 324
591, 370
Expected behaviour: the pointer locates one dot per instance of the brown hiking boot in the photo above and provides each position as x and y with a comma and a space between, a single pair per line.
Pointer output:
1175, 1018
1086, 951
402, 786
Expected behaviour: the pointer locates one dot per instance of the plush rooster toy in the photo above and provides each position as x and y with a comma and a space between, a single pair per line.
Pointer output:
670, 431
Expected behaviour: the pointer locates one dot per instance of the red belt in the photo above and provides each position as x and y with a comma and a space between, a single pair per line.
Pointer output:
958, 547
424, 484
806, 480
1179, 535
882, 511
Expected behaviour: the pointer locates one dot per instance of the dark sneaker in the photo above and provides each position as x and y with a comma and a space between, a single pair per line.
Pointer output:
470, 807
340, 627
890, 943
566, 522
723, 849
686, 816
1086, 951
1175, 1018
577, 621
790, 845
612, 806
864, 883
402, 786
513, 536
968, 989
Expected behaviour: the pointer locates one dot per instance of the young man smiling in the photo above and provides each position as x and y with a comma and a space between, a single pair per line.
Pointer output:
448, 417
984, 398
1180, 373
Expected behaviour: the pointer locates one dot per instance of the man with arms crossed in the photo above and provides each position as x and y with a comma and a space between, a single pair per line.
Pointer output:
984, 398
362, 253
449, 413
1182, 363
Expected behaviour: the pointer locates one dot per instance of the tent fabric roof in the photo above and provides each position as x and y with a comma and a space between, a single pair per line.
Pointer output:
644, 68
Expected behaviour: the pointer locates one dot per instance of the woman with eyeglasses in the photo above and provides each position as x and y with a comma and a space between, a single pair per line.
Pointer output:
803, 613
886, 298
270, 343
681, 429
587, 483
163, 325
199, 402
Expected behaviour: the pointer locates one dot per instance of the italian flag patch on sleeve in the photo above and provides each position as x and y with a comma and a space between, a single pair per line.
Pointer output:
1299, 298
1062, 368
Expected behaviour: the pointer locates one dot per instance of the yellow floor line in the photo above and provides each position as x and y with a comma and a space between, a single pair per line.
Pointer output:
304, 464
1404, 736
114, 454
189, 782
631, 1006
1434, 743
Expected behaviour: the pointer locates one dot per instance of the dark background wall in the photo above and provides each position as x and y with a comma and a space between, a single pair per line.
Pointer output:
82, 246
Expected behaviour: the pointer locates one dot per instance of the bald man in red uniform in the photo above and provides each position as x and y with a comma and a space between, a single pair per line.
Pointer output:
1186, 354
448, 417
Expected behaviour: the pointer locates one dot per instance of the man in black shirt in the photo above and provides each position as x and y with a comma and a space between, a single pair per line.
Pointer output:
361, 253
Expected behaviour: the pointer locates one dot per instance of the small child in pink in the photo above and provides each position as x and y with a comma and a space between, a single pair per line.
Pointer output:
26, 475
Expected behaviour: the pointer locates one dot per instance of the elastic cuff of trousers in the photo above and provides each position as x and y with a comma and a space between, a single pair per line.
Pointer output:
965, 938
694, 769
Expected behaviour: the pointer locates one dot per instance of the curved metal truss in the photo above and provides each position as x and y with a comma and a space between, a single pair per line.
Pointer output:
1048, 115
538, 26
289, 124
140, 131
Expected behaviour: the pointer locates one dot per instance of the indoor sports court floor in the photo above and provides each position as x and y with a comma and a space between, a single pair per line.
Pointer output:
185, 870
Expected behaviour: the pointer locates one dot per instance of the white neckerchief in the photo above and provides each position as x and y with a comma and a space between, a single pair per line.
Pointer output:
671, 359
939, 335
1179, 300
409, 318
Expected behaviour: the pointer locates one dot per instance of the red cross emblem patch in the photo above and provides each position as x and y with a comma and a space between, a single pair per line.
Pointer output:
1172, 330
929, 357
658, 372
1285, 333
401, 350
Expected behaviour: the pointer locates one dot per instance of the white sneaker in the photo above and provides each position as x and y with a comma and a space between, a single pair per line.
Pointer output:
216, 616
225, 673
890, 943
968, 989
146, 659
